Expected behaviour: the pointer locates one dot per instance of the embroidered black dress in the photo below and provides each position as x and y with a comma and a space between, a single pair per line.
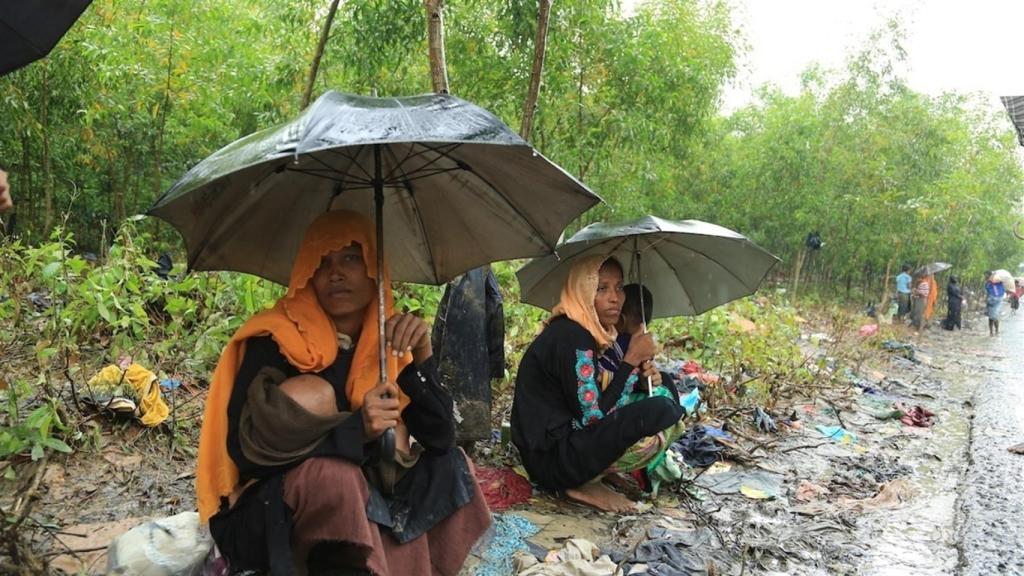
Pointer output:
567, 430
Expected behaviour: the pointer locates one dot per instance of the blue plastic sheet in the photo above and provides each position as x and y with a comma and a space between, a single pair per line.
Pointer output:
837, 434
510, 532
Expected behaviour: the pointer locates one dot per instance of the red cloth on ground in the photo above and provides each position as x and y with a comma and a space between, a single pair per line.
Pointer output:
502, 487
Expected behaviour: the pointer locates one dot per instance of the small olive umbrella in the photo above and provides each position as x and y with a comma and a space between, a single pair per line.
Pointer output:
690, 265
455, 186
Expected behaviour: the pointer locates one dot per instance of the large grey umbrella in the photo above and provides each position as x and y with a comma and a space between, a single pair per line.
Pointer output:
459, 189
453, 185
689, 266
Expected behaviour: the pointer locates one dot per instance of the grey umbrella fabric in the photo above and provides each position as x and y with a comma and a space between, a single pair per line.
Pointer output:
1015, 108
933, 268
29, 29
690, 266
460, 189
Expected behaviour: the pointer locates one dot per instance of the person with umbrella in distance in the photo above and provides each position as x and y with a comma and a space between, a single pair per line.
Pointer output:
572, 419
290, 473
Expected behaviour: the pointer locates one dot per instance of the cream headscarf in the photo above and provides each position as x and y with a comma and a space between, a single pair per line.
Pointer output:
577, 301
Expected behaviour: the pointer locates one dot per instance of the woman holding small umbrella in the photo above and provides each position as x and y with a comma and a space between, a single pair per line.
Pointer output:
571, 421
296, 404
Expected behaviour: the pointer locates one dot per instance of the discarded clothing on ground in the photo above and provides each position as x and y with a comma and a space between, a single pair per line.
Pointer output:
137, 381
763, 421
672, 553
901, 348
719, 433
502, 487
577, 557
916, 416
697, 447
725, 479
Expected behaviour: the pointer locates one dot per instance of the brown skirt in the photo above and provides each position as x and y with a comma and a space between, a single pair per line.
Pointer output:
320, 494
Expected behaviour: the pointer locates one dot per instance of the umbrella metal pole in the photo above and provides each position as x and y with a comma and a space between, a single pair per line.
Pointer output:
387, 440
643, 314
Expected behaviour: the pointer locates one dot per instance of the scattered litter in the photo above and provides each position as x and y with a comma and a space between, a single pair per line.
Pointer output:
506, 537
732, 481
141, 383
697, 447
915, 416
837, 434
716, 432
808, 491
763, 421
902, 348
755, 493
170, 383
502, 487
672, 552
577, 557
175, 545
691, 401
868, 330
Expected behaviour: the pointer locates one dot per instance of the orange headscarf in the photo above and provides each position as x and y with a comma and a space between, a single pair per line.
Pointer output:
577, 300
306, 336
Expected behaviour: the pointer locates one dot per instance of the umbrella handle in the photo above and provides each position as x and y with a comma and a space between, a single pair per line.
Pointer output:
387, 445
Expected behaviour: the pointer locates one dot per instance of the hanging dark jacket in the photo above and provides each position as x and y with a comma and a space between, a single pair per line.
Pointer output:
469, 345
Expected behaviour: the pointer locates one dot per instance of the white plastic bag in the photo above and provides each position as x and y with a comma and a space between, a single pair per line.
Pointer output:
175, 546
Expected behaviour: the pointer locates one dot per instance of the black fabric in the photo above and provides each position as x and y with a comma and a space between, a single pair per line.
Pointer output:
697, 448
256, 532
953, 315
559, 450
29, 30
471, 312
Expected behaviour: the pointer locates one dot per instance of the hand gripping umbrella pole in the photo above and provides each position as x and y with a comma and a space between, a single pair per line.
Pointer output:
643, 312
387, 440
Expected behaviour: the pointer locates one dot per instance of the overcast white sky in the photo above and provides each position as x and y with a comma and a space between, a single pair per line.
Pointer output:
952, 45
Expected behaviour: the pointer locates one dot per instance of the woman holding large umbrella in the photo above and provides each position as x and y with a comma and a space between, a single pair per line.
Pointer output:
280, 475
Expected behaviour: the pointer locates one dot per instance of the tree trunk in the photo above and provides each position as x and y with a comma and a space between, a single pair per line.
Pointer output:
158, 153
800, 255
47, 168
435, 39
315, 67
539, 48
884, 297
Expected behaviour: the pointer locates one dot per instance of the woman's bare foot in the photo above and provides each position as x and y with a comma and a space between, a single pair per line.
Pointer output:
601, 497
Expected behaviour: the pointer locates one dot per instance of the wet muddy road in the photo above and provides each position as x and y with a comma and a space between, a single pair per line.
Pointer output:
991, 506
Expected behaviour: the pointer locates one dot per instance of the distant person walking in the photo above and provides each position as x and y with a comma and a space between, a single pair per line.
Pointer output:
919, 301
903, 292
955, 304
994, 292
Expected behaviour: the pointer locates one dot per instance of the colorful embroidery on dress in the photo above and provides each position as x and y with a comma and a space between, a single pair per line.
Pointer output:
586, 388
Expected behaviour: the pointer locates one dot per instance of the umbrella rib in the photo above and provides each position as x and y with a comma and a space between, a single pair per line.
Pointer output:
419, 218
426, 149
352, 159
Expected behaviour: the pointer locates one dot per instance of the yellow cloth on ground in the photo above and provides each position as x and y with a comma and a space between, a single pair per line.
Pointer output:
152, 408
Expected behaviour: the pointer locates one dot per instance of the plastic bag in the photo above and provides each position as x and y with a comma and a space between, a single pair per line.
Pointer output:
174, 546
